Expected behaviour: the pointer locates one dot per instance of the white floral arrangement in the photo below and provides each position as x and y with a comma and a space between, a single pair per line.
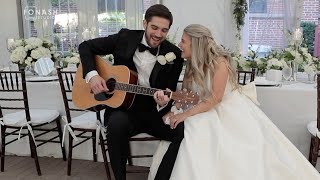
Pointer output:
275, 63
73, 58
242, 62
166, 59
309, 68
109, 58
25, 52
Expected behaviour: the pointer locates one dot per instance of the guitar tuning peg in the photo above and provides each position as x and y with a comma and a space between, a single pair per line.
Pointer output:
184, 90
179, 100
191, 102
190, 91
185, 101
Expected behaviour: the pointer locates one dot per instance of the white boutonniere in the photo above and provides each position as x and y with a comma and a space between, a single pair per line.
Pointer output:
167, 59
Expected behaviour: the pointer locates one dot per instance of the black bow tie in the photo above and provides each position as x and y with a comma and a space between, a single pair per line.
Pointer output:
143, 47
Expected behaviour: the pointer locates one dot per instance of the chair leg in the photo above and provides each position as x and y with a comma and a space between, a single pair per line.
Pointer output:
104, 155
3, 144
94, 139
313, 155
311, 149
33, 151
63, 150
70, 155
129, 155
32, 154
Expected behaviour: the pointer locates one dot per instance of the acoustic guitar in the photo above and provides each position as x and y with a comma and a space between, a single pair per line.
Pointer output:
122, 85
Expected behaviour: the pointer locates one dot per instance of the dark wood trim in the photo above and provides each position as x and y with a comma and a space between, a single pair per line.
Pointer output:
20, 16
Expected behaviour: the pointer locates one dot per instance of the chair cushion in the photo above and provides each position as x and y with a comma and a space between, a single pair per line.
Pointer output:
312, 128
87, 120
38, 116
141, 135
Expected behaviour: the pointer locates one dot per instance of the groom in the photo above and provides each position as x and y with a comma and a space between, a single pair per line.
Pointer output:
138, 50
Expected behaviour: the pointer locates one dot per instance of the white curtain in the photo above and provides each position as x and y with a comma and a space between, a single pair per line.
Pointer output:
87, 19
134, 12
292, 14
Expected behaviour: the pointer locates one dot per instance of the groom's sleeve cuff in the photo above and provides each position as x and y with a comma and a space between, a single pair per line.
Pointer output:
90, 75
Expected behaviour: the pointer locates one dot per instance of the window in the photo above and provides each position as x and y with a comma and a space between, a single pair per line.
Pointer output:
111, 16
266, 30
65, 25
258, 6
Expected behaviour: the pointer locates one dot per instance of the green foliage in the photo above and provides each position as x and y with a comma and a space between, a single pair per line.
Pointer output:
308, 35
239, 12
113, 17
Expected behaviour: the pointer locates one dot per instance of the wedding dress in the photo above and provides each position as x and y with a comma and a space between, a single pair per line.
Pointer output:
235, 140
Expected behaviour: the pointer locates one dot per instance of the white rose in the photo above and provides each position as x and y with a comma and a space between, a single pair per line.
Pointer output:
170, 56
35, 54
309, 68
162, 60
21, 61
44, 52
27, 47
34, 42
18, 43
74, 60
18, 54
67, 59
56, 55
279, 64
53, 48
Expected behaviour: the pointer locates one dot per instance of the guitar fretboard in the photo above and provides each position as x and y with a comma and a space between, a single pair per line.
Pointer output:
136, 89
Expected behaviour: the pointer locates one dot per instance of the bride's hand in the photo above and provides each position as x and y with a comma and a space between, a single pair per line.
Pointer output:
176, 119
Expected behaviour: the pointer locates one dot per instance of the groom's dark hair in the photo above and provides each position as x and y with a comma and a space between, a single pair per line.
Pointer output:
160, 11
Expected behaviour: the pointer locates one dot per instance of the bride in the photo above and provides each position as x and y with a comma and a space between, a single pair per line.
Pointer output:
227, 137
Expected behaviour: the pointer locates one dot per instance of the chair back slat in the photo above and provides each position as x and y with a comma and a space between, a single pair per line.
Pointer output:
66, 79
246, 74
13, 83
10, 81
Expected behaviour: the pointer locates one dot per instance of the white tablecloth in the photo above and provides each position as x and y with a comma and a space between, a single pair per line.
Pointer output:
290, 107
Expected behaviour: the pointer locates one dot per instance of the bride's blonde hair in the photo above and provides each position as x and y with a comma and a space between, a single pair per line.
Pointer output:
204, 58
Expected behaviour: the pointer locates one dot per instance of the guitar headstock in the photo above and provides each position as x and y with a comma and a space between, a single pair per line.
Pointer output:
185, 97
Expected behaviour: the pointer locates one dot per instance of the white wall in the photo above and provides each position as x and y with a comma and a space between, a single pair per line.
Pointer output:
215, 14
9, 27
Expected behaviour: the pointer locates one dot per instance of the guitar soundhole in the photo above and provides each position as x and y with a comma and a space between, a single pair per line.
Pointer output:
111, 83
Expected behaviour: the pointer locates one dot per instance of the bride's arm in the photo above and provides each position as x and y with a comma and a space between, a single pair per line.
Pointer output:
219, 82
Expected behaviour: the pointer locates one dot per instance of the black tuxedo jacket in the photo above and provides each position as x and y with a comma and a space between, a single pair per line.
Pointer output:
123, 46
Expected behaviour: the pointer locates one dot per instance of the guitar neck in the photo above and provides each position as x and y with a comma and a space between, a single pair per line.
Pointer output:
136, 89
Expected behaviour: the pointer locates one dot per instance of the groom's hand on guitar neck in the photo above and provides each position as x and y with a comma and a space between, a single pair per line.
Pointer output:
98, 84
160, 98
